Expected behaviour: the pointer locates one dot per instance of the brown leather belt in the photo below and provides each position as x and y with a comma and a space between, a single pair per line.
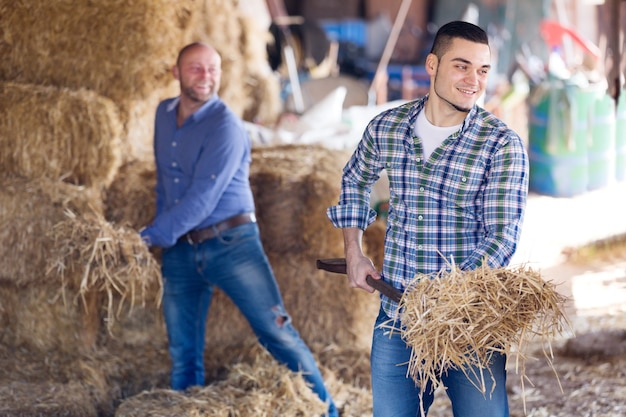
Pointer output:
200, 235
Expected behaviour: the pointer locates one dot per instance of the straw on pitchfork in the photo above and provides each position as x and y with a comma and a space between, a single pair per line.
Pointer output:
458, 319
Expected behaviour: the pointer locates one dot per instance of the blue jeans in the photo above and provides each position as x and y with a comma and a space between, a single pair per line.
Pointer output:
236, 262
396, 395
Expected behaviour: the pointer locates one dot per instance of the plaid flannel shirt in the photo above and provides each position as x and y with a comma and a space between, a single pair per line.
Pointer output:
463, 206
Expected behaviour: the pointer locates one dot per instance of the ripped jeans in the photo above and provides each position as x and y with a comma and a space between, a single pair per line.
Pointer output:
235, 262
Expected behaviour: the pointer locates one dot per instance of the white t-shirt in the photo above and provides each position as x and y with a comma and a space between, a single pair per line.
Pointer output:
432, 136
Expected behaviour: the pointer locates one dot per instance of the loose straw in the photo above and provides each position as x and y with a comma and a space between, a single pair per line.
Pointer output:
458, 319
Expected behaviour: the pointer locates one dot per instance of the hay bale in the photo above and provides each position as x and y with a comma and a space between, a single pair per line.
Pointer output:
127, 59
54, 235
293, 186
74, 135
459, 318
224, 31
130, 49
130, 199
41, 317
261, 83
51, 383
323, 306
138, 116
46, 399
30, 209
248, 85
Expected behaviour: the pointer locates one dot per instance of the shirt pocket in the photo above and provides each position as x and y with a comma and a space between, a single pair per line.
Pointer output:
461, 191
401, 171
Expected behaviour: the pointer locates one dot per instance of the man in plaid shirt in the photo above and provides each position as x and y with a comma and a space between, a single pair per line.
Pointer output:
458, 184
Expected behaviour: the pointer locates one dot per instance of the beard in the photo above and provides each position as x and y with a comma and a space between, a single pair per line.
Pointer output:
453, 105
195, 96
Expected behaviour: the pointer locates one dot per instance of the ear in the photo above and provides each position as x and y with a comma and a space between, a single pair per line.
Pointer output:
431, 64
175, 72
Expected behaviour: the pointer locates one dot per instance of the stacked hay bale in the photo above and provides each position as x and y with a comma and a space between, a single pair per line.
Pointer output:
67, 274
124, 52
117, 50
59, 133
66, 270
80, 82
293, 185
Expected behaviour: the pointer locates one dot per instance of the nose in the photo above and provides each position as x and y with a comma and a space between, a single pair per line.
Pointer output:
472, 78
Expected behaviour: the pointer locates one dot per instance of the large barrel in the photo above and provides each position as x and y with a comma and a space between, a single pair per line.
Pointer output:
620, 138
558, 136
601, 150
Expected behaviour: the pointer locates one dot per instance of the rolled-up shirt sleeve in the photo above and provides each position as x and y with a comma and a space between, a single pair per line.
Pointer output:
359, 174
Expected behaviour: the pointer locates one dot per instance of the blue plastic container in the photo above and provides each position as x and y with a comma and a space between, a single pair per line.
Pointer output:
602, 147
558, 136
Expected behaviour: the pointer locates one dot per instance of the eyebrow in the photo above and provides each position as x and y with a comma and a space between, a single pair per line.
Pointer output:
465, 61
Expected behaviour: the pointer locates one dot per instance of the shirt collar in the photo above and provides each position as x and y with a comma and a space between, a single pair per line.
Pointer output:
420, 103
200, 113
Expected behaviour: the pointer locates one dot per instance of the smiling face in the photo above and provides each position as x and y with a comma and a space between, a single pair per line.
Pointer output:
458, 78
199, 72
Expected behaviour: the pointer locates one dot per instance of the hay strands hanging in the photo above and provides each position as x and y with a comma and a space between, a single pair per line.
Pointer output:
93, 255
458, 319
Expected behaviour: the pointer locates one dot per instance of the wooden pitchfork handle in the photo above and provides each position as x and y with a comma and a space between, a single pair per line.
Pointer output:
338, 266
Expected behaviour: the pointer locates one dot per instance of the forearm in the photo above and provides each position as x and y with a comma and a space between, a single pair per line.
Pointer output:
358, 266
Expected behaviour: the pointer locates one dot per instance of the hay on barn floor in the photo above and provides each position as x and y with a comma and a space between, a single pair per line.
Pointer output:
348, 364
260, 388
458, 319
58, 133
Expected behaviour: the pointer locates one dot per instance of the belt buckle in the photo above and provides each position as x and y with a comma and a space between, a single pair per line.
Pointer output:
189, 240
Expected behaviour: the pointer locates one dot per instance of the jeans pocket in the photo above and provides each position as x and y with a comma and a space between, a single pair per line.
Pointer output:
238, 234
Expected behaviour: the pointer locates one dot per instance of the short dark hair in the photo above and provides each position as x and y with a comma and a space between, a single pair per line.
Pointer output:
457, 29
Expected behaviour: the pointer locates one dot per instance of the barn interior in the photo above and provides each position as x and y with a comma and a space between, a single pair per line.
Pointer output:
81, 332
